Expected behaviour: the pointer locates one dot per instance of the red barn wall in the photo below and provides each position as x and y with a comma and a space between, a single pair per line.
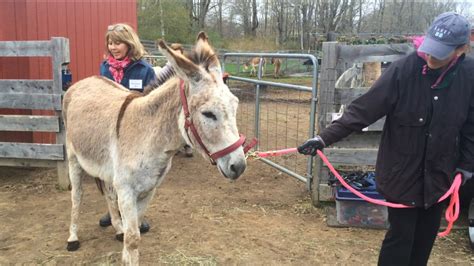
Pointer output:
83, 22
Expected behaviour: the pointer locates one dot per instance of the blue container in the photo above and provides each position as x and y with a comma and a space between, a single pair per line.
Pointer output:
354, 211
344, 194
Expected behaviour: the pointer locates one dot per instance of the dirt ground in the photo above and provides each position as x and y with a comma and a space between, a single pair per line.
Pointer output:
197, 218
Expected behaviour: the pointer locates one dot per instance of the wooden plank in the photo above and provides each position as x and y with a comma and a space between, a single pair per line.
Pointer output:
30, 101
29, 123
62, 166
347, 95
27, 162
326, 192
367, 53
60, 56
25, 48
351, 156
360, 140
378, 58
26, 86
377, 126
31, 151
324, 176
327, 83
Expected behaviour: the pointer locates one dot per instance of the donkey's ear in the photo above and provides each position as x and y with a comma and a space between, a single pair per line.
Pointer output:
184, 67
206, 54
202, 36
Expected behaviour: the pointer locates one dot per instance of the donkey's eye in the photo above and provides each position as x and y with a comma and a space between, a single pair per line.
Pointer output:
209, 115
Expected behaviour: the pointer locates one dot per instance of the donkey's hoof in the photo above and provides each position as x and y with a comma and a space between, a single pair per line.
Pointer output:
119, 237
73, 246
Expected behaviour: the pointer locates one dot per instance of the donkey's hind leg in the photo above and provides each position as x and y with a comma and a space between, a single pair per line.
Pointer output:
114, 212
142, 204
75, 175
128, 208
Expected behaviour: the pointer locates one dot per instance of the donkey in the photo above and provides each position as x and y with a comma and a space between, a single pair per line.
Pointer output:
276, 62
128, 139
253, 65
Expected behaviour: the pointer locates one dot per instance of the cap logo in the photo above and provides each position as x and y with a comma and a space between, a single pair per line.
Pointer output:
440, 32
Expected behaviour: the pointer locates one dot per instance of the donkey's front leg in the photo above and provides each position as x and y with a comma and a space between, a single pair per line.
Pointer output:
127, 200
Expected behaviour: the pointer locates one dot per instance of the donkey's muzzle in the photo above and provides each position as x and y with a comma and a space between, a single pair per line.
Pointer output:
237, 169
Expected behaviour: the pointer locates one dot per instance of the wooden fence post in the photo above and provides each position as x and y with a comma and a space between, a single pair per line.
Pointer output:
60, 57
325, 105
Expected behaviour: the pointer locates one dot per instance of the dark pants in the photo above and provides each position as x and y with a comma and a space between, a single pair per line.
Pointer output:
411, 235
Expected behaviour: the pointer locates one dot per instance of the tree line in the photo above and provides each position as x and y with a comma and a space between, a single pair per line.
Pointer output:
288, 24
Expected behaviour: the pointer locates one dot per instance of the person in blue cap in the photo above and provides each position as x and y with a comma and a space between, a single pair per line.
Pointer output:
427, 98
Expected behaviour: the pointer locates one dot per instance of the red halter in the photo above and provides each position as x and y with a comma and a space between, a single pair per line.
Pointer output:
188, 124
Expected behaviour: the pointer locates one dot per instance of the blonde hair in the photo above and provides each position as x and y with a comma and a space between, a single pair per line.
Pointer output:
123, 33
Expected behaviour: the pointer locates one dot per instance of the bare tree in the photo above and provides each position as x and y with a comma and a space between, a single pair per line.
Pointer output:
359, 22
220, 4
331, 14
254, 18
197, 12
278, 10
265, 16
381, 13
249, 17
307, 8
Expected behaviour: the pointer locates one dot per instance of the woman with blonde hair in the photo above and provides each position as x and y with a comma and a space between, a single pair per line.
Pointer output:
124, 64
124, 61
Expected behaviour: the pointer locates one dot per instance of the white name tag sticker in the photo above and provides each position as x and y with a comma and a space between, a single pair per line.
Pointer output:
135, 84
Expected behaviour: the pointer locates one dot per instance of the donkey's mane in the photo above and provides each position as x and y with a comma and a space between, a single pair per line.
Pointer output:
205, 58
133, 95
166, 95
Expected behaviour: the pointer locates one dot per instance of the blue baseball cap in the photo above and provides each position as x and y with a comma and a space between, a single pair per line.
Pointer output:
448, 31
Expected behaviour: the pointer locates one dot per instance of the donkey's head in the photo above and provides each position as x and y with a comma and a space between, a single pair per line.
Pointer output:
212, 107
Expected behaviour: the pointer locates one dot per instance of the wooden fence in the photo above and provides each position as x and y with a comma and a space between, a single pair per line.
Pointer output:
359, 150
35, 95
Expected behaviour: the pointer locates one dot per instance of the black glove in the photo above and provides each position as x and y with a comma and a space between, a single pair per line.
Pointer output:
466, 175
311, 146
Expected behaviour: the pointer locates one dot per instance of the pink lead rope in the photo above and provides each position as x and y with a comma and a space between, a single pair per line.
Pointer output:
452, 212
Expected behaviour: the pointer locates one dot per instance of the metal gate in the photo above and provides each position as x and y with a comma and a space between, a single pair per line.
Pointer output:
280, 115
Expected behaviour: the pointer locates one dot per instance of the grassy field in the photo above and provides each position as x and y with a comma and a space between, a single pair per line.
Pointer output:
290, 65
289, 68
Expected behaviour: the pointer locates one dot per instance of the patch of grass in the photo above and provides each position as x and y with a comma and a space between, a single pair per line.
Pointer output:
232, 68
304, 81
